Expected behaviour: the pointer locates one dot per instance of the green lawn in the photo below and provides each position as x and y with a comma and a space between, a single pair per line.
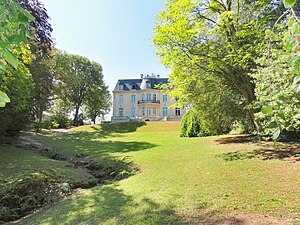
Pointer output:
181, 180
15, 163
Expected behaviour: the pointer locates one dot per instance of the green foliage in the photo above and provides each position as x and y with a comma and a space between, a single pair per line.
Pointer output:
3, 99
79, 77
59, 118
60, 121
47, 124
219, 107
42, 70
17, 83
13, 34
214, 40
289, 3
277, 81
191, 125
97, 102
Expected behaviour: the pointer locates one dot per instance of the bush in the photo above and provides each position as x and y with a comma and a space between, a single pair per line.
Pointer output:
47, 124
190, 125
60, 121
16, 115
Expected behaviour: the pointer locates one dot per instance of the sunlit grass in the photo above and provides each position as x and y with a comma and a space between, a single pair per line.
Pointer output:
15, 163
181, 179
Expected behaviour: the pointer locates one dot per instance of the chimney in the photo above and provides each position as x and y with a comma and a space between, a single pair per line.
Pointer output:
152, 75
158, 76
142, 76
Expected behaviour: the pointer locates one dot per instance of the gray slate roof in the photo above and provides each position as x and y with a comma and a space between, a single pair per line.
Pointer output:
138, 82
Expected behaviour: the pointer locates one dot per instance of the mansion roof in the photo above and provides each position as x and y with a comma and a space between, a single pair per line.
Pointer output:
146, 82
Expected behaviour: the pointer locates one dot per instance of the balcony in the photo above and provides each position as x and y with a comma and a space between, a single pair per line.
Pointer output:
148, 102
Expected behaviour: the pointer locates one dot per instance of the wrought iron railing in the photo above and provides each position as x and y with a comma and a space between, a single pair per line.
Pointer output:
148, 101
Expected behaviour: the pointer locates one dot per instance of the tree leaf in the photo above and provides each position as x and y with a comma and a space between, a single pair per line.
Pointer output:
3, 99
273, 124
288, 3
276, 133
281, 99
267, 110
11, 59
295, 64
23, 18
296, 80
28, 15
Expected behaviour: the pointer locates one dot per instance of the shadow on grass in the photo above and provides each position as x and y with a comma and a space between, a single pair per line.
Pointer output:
89, 144
238, 139
233, 156
121, 127
95, 143
110, 205
282, 151
113, 129
268, 150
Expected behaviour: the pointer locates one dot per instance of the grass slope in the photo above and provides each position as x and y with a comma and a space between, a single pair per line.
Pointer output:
182, 180
15, 163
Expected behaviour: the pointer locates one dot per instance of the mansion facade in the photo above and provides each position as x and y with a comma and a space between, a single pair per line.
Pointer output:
140, 100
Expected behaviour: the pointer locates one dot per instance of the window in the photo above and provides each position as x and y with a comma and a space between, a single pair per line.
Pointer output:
154, 97
154, 111
177, 111
165, 97
148, 111
121, 112
143, 97
148, 97
143, 111
132, 112
148, 85
121, 98
121, 86
133, 86
132, 98
165, 111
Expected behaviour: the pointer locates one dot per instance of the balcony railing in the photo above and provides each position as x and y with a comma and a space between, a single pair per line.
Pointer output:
148, 101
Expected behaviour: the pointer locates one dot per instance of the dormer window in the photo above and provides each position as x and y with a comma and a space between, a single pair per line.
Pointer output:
121, 86
133, 86
148, 85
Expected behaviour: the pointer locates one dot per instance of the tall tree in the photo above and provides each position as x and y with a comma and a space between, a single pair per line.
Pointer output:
217, 38
41, 67
42, 70
40, 27
78, 77
97, 102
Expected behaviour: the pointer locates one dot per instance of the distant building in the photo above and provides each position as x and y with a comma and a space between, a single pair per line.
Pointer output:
140, 100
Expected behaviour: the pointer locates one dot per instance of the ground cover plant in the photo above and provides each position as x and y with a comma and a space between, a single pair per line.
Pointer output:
208, 180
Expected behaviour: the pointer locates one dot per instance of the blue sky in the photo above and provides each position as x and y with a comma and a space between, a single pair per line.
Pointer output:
115, 33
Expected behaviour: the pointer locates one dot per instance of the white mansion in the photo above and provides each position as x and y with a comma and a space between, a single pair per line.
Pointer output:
140, 100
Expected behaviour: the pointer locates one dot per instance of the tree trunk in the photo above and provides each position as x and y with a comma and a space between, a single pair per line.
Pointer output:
249, 95
75, 120
40, 116
94, 118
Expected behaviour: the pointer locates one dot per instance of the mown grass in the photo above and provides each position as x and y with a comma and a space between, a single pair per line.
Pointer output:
182, 180
15, 163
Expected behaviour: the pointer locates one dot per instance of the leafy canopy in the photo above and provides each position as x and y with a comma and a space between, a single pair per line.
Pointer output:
13, 33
